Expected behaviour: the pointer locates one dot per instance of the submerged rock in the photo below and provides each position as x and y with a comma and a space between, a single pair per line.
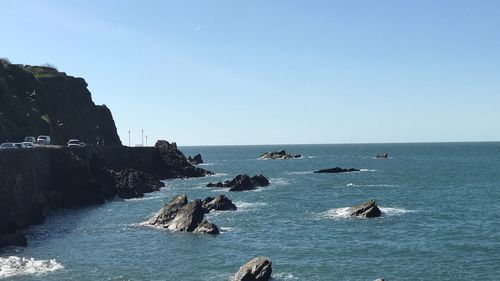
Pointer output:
379, 279
337, 170
219, 203
278, 155
367, 209
181, 215
242, 182
257, 269
195, 160
382, 156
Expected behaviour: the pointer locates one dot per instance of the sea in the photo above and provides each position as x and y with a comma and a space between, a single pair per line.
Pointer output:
440, 204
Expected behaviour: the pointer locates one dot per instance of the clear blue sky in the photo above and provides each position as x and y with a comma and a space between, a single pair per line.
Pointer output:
274, 72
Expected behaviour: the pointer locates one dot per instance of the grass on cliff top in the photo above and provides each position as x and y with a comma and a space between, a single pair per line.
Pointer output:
42, 71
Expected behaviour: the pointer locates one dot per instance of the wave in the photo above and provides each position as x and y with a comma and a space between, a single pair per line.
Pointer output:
249, 206
343, 213
284, 276
371, 185
279, 181
206, 164
13, 266
311, 157
142, 198
226, 229
300, 173
218, 175
367, 170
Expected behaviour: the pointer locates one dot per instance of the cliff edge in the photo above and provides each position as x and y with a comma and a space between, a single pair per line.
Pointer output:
40, 100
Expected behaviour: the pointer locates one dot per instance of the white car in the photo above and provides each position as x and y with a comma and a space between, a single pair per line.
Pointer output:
7, 145
43, 140
74, 143
28, 144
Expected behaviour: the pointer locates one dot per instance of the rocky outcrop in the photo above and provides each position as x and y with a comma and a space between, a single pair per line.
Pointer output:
368, 209
278, 155
242, 183
219, 203
257, 269
337, 170
131, 183
171, 163
382, 156
195, 160
38, 100
181, 215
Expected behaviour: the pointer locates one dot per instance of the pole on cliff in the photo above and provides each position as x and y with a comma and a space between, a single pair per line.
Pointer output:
146, 140
142, 132
128, 137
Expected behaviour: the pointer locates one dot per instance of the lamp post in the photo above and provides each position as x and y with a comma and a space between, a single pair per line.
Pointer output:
128, 137
142, 132
146, 140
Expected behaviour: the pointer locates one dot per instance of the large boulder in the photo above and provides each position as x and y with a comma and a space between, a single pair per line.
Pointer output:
257, 269
367, 209
278, 155
337, 170
171, 163
219, 203
181, 215
131, 183
195, 160
242, 182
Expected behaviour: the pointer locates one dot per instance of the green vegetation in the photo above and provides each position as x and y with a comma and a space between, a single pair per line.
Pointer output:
42, 71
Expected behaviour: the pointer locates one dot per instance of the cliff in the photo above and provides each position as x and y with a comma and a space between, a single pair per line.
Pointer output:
35, 181
38, 100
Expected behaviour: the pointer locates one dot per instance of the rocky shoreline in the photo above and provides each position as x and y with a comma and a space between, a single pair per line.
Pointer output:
35, 182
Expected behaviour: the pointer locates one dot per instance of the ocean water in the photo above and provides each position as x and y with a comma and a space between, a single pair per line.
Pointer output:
441, 220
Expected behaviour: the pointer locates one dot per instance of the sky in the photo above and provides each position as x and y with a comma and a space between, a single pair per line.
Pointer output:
274, 72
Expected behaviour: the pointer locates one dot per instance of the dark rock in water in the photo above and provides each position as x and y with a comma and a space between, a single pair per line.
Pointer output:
368, 209
206, 227
257, 269
242, 182
278, 155
195, 160
219, 203
382, 156
131, 183
337, 170
379, 279
15, 238
171, 163
181, 215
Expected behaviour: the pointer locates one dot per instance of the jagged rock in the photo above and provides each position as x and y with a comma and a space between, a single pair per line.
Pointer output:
337, 170
368, 209
257, 269
242, 182
195, 160
15, 238
278, 155
171, 163
206, 227
181, 215
131, 183
382, 156
219, 203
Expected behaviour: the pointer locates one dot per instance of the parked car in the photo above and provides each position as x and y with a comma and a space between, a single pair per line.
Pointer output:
74, 143
43, 140
28, 144
19, 145
7, 145
30, 139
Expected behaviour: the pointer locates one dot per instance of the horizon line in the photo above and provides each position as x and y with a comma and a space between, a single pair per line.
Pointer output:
342, 143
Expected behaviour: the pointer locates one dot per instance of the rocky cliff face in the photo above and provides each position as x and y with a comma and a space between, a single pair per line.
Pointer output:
37, 100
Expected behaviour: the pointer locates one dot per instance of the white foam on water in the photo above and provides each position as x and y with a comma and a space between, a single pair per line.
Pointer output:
14, 266
249, 206
206, 164
352, 185
279, 181
337, 213
218, 175
311, 157
343, 213
371, 185
300, 173
284, 276
142, 198
367, 170
226, 229
387, 211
